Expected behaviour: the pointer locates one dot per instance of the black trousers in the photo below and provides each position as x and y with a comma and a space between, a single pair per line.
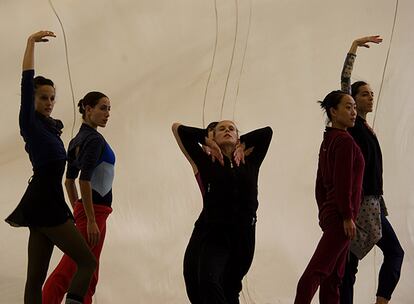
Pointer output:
390, 269
216, 260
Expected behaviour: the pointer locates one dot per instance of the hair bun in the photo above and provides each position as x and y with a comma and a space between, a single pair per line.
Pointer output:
81, 106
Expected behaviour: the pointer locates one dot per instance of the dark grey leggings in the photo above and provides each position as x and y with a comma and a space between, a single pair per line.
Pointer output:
41, 242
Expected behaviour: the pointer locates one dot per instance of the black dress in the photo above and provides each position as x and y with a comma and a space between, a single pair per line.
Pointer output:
43, 204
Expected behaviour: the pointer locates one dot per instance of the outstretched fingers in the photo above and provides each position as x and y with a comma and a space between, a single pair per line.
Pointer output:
41, 36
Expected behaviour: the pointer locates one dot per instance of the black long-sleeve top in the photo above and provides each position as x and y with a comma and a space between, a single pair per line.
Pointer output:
230, 190
41, 134
368, 142
365, 138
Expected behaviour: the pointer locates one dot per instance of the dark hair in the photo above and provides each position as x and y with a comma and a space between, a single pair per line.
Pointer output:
41, 81
91, 99
331, 101
211, 126
355, 87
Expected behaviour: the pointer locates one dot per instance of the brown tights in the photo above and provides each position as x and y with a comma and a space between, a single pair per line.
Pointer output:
41, 242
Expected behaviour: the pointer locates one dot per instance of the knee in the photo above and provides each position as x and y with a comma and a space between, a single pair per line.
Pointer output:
93, 262
400, 254
209, 282
35, 280
34, 284
89, 263
304, 280
396, 255
399, 257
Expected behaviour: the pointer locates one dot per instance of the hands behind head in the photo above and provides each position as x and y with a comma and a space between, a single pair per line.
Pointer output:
239, 154
213, 150
369, 39
41, 36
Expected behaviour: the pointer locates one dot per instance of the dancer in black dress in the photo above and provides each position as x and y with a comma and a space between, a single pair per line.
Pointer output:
43, 208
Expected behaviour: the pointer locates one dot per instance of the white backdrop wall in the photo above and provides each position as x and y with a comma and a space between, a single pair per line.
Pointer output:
153, 59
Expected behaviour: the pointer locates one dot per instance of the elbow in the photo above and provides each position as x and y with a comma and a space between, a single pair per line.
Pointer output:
84, 182
270, 130
69, 182
174, 127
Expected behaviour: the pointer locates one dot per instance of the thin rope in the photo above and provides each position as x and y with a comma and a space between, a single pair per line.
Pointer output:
68, 67
375, 115
212, 65
243, 59
386, 64
232, 57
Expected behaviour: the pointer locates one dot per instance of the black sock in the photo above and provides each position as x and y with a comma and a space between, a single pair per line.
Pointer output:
72, 298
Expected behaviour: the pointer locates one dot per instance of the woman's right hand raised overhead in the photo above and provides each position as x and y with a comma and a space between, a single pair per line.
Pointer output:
28, 59
40, 36
350, 58
364, 42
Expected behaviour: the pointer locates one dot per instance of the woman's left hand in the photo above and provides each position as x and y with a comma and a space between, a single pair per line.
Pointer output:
349, 228
214, 151
93, 233
239, 153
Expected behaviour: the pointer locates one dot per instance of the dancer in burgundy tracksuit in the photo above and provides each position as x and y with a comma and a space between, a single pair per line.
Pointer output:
90, 154
338, 194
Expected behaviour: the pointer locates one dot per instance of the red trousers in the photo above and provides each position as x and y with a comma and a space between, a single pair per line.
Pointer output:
326, 268
57, 284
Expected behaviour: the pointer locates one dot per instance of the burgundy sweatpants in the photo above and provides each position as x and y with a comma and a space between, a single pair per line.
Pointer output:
326, 268
57, 284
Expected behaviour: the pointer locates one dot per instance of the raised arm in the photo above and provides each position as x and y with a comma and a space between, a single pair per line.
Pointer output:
27, 108
180, 144
350, 59
191, 140
28, 58
259, 140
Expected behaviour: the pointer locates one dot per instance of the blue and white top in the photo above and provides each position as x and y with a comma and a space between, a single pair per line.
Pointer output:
91, 155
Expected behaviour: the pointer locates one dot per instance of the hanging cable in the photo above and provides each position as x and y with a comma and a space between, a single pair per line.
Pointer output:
232, 58
243, 59
212, 65
386, 63
375, 115
68, 67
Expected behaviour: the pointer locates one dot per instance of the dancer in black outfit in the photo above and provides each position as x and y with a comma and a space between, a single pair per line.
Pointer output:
226, 226
191, 255
373, 227
43, 208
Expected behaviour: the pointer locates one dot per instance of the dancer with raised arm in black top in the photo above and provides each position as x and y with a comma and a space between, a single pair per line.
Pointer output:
373, 227
43, 208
